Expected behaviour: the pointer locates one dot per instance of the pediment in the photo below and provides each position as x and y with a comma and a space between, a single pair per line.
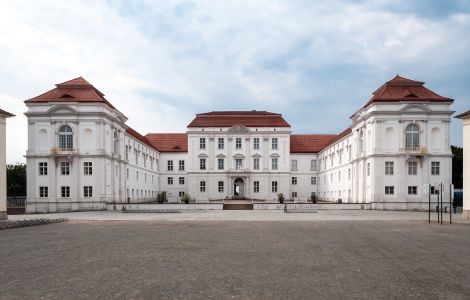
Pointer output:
60, 109
239, 155
238, 128
416, 108
220, 155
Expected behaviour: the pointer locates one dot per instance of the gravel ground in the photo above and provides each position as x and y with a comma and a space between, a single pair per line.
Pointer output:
359, 259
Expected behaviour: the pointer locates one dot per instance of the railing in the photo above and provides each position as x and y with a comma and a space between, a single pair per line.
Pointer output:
422, 150
16, 201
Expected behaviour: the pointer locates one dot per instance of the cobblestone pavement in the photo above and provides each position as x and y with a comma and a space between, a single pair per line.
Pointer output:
338, 259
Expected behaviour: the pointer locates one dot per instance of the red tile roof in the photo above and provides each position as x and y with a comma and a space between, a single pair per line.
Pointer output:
75, 90
169, 142
314, 143
139, 137
245, 118
404, 89
5, 113
463, 115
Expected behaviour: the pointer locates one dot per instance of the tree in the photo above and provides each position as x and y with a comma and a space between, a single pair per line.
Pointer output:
457, 166
16, 180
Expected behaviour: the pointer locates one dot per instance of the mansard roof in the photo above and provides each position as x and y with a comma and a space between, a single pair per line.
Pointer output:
5, 113
75, 90
464, 115
169, 142
251, 118
404, 89
139, 137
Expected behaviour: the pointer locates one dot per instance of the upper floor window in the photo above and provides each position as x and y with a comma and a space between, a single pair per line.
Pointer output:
65, 168
255, 163
412, 167
170, 165
116, 143
274, 143
181, 165
435, 167
202, 164
202, 143
238, 143
412, 136
313, 165
220, 163
65, 138
294, 165
274, 164
389, 168
238, 164
43, 168
220, 143
256, 143
88, 168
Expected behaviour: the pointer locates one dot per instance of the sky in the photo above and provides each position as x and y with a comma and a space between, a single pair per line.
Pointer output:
161, 62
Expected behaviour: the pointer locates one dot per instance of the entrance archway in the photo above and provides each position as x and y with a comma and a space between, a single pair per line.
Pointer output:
238, 188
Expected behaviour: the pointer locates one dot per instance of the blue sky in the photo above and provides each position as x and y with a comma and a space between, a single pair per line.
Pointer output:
161, 62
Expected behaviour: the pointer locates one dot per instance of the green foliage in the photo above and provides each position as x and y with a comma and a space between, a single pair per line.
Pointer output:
16, 180
457, 166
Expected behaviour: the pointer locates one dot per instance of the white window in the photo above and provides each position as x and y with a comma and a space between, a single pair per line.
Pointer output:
331, 177
181, 165
43, 192
256, 186
412, 136
116, 143
221, 186
65, 168
368, 169
274, 143
349, 174
389, 168
294, 165
220, 164
181, 194
339, 175
255, 163
389, 190
43, 168
274, 163
220, 143
294, 180
294, 195
87, 191
202, 186
202, 163
412, 190
65, 191
313, 165
274, 186
238, 164
137, 175
170, 180
238, 143
202, 143
181, 180
256, 143
170, 165
412, 167
87, 168
435, 167
313, 180
65, 138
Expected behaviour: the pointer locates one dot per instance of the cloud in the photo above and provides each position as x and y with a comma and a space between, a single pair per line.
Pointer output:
160, 62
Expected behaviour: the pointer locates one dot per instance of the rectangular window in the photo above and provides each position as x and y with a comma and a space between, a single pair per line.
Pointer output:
65, 191
43, 168
65, 168
202, 186
389, 168
412, 190
339, 175
181, 194
313, 180
202, 143
256, 143
256, 186
294, 180
434, 190
170, 165
368, 169
274, 143
294, 195
412, 167
238, 164
331, 177
389, 190
294, 165
137, 175
43, 192
221, 186
220, 143
274, 186
88, 168
255, 163
435, 167
220, 164
181, 180
349, 174
87, 191
238, 143
181, 165
313, 165
274, 164
170, 180
202, 163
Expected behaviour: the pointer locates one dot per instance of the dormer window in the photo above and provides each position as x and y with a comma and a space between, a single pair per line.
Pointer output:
65, 138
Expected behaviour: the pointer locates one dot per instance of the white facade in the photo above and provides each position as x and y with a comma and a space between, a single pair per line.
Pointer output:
391, 150
3, 172
466, 163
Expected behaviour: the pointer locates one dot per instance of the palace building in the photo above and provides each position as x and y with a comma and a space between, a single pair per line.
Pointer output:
82, 156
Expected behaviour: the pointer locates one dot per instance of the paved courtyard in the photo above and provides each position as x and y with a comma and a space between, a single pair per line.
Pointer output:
203, 259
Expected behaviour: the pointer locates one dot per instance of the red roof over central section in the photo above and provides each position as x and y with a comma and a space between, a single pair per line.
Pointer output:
404, 89
75, 90
169, 142
309, 143
245, 118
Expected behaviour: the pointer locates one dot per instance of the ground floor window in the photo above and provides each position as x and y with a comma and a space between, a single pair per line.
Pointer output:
313, 180
412, 190
170, 180
294, 195
274, 186
87, 191
389, 190
221, 186
256, 186
43, 192
202, 186
181, 194
65, 191
294, 180
181, 179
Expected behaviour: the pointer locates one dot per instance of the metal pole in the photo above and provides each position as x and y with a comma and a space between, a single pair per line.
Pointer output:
450, 203
429, 204
437, 206
442, 200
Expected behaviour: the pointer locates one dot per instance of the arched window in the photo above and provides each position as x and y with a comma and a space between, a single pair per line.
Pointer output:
412, 136
65, 138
